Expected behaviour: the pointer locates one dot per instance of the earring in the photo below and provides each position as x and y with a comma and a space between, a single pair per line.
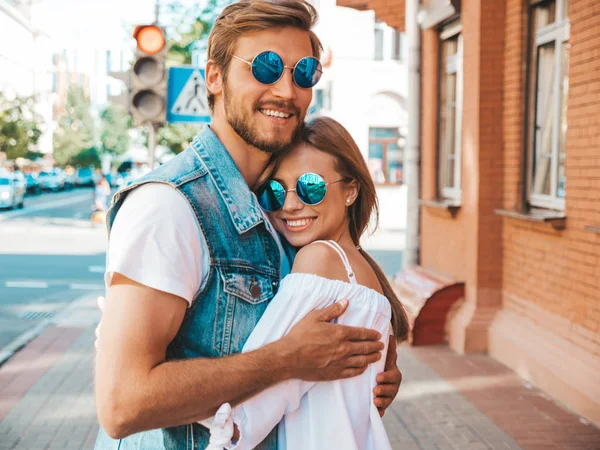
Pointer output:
347, 200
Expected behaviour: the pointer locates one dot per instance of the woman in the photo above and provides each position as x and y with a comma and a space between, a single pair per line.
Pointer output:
101, 197
320, 197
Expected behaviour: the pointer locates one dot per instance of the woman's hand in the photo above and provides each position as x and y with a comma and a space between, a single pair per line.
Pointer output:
388, 382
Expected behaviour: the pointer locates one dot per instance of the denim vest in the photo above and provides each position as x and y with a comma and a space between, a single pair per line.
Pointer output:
244, 273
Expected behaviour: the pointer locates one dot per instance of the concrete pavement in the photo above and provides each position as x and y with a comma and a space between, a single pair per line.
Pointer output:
447, 401
50, 254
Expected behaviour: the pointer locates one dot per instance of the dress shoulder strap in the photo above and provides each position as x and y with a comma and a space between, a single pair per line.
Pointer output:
334, 245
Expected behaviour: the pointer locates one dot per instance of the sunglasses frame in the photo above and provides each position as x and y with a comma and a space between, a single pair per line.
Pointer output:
285, 191
251, 63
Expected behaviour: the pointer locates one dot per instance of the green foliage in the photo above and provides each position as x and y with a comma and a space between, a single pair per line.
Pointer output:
177, 137
19, 126
192, 23
114, 136
76, 131
86, 158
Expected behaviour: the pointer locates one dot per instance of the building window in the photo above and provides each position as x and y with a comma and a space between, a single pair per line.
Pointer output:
547, 103
450, 112
385, 156
397, 45
379, 38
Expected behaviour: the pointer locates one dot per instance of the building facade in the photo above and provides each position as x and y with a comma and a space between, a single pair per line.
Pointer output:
25, 62
364, 88
510, 181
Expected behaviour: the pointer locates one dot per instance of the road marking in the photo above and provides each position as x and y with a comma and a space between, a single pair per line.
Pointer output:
26, 284
49, 205
97, 269
87, 287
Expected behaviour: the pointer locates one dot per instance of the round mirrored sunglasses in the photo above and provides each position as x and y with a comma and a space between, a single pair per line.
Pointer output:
310, 189
267, 67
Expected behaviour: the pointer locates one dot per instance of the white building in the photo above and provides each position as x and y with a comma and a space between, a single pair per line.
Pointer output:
364, 88
25, 62
89, 68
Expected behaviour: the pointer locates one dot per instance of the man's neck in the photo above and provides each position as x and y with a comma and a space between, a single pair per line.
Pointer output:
250, 161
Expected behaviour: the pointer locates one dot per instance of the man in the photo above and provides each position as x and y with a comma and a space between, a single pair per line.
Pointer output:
193, 263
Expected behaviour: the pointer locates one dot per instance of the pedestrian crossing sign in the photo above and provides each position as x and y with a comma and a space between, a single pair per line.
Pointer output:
186, 96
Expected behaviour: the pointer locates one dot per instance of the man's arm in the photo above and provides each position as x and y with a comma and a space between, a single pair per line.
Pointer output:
137, 390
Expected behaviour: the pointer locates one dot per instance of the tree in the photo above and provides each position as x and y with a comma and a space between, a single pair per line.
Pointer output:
177, 137
114, 136
76, 131
19, 126
192, 24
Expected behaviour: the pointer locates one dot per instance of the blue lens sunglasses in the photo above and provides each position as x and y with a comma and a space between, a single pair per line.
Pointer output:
310, 189
267, 67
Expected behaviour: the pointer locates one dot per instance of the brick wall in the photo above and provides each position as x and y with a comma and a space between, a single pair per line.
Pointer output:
469, 245
557, 271
440, 251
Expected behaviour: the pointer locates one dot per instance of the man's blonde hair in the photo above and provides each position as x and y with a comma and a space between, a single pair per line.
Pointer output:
248, 16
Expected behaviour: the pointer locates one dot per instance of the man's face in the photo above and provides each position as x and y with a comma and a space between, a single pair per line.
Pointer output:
254, 110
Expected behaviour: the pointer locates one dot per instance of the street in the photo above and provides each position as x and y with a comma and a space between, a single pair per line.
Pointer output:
50, 255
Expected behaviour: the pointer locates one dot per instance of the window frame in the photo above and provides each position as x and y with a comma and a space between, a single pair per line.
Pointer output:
379, 30
397, 39
385, 142
456, 65
558, 33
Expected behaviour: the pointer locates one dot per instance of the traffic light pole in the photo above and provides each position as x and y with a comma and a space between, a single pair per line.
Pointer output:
152, 129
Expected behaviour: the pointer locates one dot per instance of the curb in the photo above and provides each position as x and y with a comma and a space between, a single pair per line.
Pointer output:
25, 338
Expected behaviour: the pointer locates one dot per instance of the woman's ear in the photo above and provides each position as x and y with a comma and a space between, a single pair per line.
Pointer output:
214, 78
352, 192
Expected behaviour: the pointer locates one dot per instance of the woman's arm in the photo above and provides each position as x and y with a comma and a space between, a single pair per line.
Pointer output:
257, 416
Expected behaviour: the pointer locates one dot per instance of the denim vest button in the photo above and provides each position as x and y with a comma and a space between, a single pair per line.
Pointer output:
255, 290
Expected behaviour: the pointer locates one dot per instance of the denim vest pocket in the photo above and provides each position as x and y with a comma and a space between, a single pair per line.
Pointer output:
244, 298
250, 287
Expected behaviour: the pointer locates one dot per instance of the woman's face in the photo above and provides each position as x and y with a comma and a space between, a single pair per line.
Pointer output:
302, 224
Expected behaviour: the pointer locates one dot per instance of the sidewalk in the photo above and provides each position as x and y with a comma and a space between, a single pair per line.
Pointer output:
447, 401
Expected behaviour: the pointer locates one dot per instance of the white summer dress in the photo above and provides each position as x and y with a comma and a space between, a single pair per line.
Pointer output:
316, 415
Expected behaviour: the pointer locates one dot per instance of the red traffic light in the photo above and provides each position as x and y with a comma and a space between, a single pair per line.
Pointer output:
150, 38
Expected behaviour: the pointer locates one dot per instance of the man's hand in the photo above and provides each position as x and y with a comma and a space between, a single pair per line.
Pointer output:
388, 382
320, 351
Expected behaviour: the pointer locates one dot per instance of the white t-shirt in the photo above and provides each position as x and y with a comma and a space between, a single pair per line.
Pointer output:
156, 241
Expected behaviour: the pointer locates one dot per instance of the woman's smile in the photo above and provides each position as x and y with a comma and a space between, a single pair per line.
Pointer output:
296, 225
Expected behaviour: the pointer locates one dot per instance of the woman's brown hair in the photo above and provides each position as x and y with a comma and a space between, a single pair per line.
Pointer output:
329, 136
250, 16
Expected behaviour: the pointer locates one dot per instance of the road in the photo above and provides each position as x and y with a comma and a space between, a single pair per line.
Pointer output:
50, 254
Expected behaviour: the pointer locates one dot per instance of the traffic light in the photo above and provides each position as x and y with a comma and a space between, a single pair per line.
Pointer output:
148, 76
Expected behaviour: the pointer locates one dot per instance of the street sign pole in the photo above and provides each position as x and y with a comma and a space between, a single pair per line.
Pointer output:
199, 54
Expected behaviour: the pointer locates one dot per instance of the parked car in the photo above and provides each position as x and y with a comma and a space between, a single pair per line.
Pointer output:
69, 180
84, 177
33, 184
12, 191
51, 181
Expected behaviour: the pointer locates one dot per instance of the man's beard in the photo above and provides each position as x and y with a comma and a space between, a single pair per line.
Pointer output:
242, 124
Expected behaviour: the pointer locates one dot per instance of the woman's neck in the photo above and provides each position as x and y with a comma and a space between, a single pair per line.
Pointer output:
343, 238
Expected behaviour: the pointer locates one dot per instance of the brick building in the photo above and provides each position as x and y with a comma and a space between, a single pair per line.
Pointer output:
510, 180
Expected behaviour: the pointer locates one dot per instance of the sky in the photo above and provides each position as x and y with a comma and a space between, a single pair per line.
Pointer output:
92, 23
